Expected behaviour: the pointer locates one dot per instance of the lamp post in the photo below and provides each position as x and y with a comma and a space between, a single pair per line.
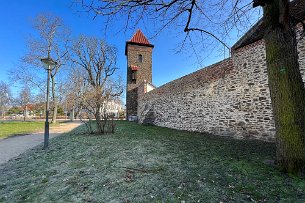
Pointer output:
48, 65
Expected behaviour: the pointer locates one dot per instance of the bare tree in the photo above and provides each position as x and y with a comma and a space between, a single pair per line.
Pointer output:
74, 89
39, 105
215, 19
98, 60
5, 96
206, 23
52, 41
24, 99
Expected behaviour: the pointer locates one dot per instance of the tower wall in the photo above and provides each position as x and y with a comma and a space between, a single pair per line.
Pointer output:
144, 72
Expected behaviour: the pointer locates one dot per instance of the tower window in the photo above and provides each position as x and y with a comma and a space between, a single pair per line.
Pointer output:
134, 76
140, 57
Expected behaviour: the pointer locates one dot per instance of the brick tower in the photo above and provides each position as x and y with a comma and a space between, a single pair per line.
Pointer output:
139, 68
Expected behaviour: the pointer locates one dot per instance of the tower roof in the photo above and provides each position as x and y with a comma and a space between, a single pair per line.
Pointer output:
138, 39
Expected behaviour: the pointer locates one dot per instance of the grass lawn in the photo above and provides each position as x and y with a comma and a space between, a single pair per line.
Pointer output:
148, 164
19, 127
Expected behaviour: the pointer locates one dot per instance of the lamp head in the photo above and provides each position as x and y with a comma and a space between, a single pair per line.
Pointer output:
48, 63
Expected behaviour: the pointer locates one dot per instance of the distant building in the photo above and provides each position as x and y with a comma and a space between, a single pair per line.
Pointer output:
114, 108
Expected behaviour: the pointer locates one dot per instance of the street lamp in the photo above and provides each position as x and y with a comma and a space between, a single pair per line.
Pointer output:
48, 65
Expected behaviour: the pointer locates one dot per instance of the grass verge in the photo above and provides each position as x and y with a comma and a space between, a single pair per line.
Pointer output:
148, 164
12, 128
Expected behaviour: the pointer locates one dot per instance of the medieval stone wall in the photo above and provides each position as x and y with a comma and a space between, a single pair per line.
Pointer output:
229, 98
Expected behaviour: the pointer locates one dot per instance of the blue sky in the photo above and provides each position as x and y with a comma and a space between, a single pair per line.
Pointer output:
15, 21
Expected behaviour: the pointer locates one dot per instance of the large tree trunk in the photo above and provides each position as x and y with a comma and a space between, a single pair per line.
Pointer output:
286, 87
54, 101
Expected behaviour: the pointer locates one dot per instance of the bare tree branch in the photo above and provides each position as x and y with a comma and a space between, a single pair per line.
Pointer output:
97, 62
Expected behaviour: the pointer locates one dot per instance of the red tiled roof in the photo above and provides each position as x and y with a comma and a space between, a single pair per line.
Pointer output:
134, 68
29, 107
139, 38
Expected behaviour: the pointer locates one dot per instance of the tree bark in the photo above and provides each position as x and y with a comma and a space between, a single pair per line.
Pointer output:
99, 119
286, 87
54, 101
72, 114
25, 112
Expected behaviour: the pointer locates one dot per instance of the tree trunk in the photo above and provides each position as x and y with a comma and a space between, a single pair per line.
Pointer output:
72, 114
286, 87
90, 124
54, 101
99, 119
25, 112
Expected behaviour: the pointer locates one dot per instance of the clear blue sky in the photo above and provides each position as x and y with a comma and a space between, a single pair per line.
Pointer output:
15, 24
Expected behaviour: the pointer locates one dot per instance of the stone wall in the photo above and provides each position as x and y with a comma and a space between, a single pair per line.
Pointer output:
230, 98
301, 50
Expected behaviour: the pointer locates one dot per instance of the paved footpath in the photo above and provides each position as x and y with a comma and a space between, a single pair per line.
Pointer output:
13, 146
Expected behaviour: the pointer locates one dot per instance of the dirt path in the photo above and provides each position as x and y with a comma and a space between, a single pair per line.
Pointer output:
13, 146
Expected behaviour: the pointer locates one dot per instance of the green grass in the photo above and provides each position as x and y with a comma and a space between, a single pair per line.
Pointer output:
17, 127
148, 164
12, 128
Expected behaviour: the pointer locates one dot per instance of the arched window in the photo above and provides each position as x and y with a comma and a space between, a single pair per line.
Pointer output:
140, 57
